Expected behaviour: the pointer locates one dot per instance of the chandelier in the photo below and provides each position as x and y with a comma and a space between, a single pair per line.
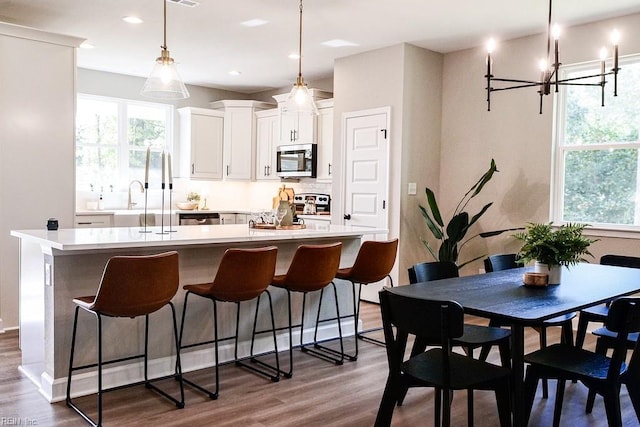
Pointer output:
549, 70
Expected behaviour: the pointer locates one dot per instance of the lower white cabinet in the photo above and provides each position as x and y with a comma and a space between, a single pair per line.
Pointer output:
227, 218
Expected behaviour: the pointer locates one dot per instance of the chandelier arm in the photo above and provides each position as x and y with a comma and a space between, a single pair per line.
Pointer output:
498, 89
495, 79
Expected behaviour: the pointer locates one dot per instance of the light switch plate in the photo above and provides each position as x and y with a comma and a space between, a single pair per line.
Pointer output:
412, 189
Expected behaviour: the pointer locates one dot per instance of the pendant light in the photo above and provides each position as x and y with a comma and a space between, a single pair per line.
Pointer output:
300, 100
164, 82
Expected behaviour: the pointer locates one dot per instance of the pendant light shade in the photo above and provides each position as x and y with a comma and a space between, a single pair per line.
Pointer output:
164, 82
300, 100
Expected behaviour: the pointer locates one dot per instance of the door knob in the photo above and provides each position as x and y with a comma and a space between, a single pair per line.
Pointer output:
347, 216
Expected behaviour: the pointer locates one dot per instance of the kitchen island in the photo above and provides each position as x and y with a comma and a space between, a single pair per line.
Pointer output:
57, 266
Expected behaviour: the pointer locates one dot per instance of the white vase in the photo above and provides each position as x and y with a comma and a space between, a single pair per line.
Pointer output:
554, 272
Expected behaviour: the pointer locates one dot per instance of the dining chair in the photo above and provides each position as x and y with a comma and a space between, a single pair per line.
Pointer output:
507, 262
598, 313
601, 374
473, 336
131, 286
243, 274
439, 367
373, 263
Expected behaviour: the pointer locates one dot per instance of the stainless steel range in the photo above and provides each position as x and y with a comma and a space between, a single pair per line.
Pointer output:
312, 204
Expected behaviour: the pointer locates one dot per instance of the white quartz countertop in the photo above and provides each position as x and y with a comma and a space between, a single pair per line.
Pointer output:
157, 211
88, 239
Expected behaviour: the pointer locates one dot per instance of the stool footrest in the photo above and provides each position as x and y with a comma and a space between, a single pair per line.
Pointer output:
324, 353
274, 376
369, 339
212, 396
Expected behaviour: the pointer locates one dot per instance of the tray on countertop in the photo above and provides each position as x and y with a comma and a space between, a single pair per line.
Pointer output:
279, 227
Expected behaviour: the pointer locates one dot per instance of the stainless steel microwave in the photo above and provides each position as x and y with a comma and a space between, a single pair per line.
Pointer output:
298, 160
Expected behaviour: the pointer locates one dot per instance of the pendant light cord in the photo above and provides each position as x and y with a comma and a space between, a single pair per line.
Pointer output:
164, 46
300, 44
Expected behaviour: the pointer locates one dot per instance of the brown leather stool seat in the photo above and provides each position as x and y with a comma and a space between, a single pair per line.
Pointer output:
373, 264
312, 268
243, 275
131, 286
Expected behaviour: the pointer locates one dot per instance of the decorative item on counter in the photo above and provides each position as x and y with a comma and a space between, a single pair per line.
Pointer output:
193, 200
52, 224
170, 169
100, 203
204, 205
553, 247
162, 231
284, 201
535, 279
146, 188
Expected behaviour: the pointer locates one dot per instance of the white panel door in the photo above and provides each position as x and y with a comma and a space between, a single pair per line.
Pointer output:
366, 174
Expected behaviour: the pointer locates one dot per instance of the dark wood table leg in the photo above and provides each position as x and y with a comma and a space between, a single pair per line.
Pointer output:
517, 373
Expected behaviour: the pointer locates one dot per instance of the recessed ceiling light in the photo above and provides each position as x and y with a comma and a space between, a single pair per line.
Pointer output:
86, 45
132, 20
235, 73
254, 22
294, 55
338, 43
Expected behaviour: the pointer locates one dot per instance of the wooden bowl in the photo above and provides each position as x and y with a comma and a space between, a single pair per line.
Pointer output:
187, 206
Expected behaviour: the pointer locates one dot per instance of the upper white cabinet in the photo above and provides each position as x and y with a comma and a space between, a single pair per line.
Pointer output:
239, 161
201, 143
299, 129
267, 139
325, 139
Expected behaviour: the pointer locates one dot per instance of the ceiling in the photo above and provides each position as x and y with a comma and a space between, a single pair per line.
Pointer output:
208, 41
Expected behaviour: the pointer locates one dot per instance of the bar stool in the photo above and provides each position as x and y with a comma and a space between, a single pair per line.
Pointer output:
312, 268
131, 286
243, 275
373, 264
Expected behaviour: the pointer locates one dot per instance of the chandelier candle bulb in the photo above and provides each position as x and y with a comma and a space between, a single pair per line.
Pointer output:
169, 168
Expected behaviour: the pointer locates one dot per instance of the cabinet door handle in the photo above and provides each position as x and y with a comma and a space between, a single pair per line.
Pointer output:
193, 168
329, 168
291, 136
227, 170
264, 173
295, 135
268, 170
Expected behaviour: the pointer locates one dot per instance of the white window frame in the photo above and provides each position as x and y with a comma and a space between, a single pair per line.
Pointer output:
122, 146
557, 161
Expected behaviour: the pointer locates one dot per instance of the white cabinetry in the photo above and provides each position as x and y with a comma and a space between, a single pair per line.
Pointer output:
267, 139
239, 137
325, 140
94, 221
201, 143
298, 129
227, 218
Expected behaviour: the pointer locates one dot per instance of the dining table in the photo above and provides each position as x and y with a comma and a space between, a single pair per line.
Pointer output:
501, 295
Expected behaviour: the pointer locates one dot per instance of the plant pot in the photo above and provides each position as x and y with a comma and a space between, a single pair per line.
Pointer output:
554, 272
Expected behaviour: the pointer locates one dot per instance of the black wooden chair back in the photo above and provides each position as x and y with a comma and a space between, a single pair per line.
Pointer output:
501, 262
620, 261
428, 271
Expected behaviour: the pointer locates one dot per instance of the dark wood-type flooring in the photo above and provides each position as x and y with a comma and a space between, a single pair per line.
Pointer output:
319, 394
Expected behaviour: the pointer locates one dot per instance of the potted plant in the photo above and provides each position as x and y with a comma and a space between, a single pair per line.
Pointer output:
553, 247
451, 236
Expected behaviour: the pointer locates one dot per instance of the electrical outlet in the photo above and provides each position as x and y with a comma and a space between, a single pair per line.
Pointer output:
412, 189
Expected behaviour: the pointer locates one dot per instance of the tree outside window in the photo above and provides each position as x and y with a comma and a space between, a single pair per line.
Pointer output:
597, 150
112, 136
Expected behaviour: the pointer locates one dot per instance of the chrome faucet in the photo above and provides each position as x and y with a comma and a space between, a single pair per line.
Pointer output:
131, 204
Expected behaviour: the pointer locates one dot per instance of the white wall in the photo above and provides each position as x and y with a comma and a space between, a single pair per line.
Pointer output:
513, 132
407, 79
37, 104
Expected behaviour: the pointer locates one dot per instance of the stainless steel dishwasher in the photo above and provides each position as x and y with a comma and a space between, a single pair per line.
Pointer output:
200, 218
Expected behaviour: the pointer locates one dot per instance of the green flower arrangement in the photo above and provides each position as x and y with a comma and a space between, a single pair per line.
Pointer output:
564, 245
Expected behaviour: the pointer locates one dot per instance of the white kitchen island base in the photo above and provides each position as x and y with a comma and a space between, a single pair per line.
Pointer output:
57, 266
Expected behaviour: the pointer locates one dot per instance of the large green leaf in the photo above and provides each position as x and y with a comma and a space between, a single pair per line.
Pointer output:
448, 251
435, 230
433, 205
477, 216
457, 227
485, 178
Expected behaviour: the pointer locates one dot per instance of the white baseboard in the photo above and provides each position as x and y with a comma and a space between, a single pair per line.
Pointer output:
86, 383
